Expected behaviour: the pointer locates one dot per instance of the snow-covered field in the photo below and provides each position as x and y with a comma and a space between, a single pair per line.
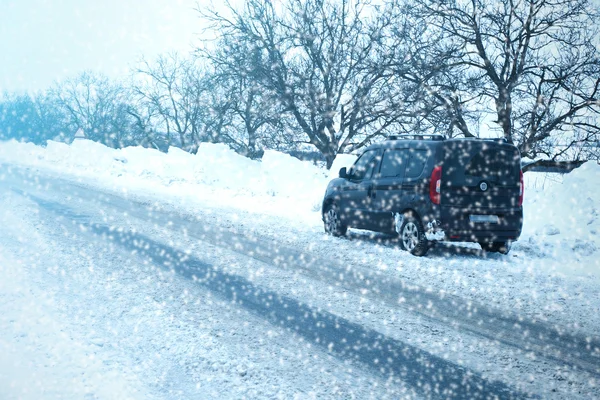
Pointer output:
551, 275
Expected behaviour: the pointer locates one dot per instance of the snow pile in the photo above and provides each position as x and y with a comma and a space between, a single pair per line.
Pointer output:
278, 183
565, 216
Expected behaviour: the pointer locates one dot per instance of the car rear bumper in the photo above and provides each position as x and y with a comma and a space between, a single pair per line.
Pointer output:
458, 224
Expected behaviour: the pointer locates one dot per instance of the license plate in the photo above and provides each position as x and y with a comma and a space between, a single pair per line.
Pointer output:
488, 219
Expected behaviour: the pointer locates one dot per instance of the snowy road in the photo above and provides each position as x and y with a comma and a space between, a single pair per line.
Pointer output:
183, 306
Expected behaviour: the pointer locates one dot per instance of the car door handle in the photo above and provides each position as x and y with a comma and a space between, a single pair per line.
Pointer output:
371, 192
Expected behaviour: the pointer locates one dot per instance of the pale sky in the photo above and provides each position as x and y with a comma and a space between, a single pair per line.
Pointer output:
46, 40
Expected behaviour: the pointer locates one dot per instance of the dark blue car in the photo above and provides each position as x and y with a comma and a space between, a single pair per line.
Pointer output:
428, 188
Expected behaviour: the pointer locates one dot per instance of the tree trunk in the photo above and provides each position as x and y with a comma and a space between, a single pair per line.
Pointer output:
330, 158
252, 153
504, 110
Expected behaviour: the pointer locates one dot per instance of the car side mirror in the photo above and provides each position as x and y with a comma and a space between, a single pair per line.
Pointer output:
343, 173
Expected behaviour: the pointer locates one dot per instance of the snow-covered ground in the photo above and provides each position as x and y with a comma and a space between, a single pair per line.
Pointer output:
82, 321
44, 354
552, 274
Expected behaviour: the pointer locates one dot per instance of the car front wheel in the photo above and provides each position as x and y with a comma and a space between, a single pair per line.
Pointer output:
333, 223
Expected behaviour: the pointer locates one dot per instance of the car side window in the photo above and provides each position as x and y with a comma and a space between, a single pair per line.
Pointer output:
364, 166
372, 165
393, 163
416, 163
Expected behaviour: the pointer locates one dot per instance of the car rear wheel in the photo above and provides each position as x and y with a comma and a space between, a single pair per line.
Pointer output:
412, 236
333, 223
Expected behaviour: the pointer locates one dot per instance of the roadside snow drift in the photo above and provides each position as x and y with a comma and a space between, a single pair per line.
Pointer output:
561, 220
278, 184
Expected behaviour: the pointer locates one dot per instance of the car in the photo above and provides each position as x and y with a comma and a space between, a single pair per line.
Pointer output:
429, 188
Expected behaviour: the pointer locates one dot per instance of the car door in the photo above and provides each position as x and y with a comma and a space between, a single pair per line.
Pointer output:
359, 190
388, 187
412, 184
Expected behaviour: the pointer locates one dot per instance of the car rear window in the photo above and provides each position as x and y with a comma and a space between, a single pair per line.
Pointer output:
475, 160
492, 164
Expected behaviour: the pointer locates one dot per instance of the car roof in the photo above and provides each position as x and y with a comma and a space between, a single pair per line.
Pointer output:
404, 142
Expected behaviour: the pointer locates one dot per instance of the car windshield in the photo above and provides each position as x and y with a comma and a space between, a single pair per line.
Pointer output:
176, 223
365, 165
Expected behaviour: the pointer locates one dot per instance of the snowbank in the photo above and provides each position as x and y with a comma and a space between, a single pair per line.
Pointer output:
563, 217
278, 183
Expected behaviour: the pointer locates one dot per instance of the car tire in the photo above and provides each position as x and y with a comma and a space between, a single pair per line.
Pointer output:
332, 221
496, 247
412, 236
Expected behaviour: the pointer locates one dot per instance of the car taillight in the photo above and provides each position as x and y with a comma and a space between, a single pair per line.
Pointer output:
435, 185
521, 189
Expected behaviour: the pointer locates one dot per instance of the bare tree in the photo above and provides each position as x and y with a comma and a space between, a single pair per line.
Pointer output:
434, 93
318, 58
252, 111
170, 89
533, 61
142, 125
31, 118
96, 105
